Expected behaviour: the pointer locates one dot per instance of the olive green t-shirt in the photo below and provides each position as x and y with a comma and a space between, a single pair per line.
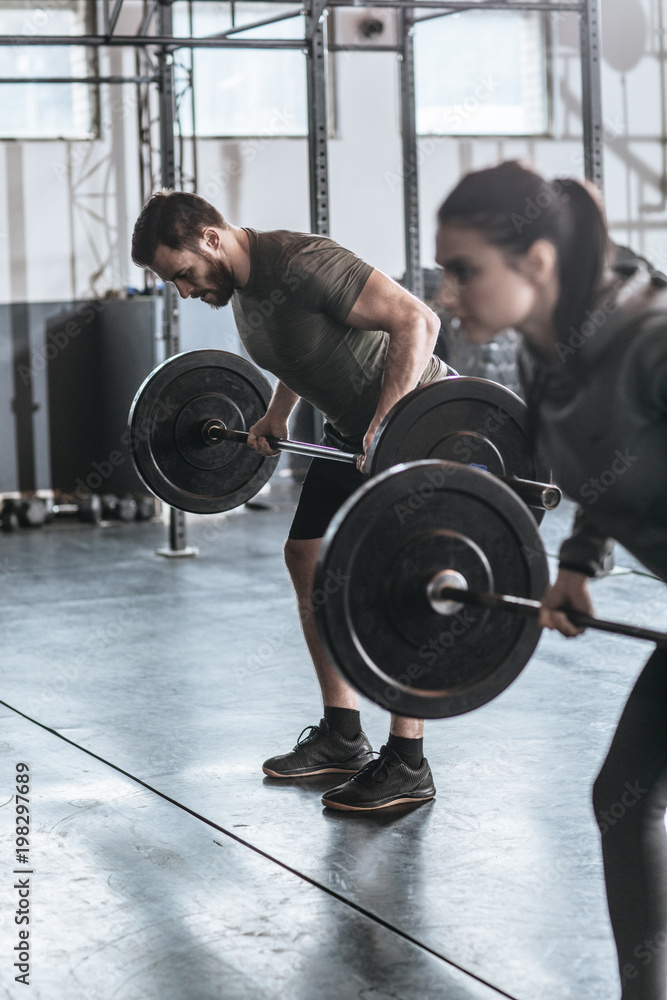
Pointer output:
291, 318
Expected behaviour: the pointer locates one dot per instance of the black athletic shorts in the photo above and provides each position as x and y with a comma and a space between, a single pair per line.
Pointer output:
325, 489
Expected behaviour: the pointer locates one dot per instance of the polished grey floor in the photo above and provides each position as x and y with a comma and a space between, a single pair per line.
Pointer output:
144, 694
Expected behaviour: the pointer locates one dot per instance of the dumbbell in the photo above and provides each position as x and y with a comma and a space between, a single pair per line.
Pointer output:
145, 507
87, 509
31, 512
119, 508
8, 517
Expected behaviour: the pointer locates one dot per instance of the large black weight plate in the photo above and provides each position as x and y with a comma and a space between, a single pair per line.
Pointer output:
459, 419
166, 419
380, 552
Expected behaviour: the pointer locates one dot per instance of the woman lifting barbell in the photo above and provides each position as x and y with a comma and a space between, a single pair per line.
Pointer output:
519, 251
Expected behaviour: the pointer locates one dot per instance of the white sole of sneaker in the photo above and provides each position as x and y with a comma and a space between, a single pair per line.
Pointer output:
385, 805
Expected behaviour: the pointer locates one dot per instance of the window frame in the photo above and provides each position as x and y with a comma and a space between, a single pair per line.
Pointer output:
92, 69
547, 36
258, 135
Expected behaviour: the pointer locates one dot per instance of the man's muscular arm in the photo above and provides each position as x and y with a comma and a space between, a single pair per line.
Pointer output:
274, 421
413, 330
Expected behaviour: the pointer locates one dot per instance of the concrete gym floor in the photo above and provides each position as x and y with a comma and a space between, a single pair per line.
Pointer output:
145, 693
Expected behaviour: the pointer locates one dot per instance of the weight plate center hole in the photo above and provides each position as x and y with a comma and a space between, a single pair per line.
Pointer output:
213, 431
445, 578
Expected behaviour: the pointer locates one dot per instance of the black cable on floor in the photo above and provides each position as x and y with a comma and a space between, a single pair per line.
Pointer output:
293, 871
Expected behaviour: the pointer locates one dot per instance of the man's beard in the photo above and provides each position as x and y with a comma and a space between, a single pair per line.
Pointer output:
219, 282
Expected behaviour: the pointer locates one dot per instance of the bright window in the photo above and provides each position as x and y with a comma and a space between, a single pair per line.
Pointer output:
241, 92
46, 110
482, 73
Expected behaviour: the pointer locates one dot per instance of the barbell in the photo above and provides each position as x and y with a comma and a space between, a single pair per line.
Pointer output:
405, 588
190, 418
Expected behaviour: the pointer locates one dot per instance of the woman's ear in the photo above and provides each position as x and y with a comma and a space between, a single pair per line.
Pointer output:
540, 263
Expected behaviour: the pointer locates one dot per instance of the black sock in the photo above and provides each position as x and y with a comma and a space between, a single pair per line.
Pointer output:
344, 721
411, 752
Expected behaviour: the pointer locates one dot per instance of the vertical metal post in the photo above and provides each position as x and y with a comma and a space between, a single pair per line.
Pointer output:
193, 103
591, 91
414, 278
318, 142
170, 316
317, 117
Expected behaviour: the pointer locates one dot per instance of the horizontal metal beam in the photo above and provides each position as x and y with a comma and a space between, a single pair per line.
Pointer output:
78, 79
364, 48
224, 40
460, 5
164, 41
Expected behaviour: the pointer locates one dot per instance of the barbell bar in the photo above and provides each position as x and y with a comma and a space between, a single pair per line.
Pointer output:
546, 496
441, 593
459, 418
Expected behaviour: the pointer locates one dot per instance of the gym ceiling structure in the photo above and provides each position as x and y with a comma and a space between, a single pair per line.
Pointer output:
152, 663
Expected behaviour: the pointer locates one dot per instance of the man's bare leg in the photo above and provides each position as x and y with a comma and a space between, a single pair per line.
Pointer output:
300, 557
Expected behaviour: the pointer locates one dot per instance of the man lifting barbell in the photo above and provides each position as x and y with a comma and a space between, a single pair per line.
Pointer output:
346, 338
594, 363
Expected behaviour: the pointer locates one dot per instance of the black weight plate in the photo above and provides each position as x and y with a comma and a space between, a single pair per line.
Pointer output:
380, 552
166, 419
459, 419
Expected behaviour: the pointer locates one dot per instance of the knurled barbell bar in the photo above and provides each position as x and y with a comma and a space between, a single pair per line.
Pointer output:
404, 589
543, 495
191, 416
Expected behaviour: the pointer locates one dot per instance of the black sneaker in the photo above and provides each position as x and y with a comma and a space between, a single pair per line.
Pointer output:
322, 751
387, 781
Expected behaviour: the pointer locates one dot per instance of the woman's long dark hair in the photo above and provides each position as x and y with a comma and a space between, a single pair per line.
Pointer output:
512, 206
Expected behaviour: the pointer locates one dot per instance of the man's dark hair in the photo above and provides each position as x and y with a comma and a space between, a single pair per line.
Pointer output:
174, 219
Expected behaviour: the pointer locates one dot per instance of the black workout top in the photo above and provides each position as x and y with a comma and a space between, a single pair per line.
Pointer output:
604, 432
291, 318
